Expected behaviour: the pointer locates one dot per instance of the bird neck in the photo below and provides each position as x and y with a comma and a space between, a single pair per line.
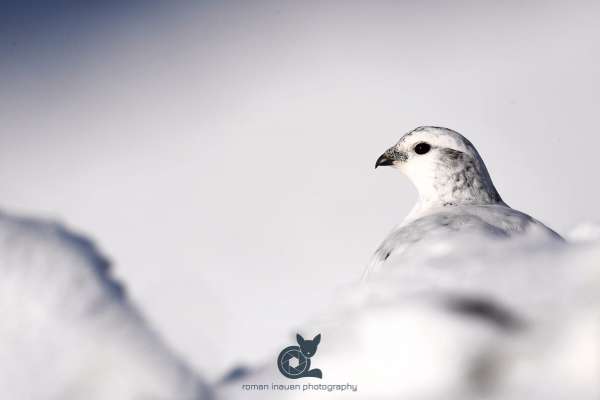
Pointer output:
465, 183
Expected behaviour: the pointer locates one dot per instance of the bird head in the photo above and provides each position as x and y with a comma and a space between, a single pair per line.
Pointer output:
443, 165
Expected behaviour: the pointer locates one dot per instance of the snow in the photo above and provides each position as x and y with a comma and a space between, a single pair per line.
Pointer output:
519, 319
69, 331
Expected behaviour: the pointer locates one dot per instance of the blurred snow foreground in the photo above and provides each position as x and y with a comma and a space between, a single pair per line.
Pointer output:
513, 319
67, 330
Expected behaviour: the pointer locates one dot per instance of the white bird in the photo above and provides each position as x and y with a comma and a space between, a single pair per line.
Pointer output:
508, 319
456, 196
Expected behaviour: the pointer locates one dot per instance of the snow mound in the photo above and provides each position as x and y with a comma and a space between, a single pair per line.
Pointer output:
500, 319
68, 330
585, 232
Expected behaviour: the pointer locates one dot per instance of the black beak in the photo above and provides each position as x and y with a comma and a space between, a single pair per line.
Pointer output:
383, 160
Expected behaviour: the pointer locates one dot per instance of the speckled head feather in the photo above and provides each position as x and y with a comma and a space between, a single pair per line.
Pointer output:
444, 166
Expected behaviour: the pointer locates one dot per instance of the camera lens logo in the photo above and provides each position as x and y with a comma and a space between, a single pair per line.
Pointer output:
294, 361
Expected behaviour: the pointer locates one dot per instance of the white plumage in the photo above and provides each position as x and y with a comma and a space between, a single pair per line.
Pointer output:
456, 197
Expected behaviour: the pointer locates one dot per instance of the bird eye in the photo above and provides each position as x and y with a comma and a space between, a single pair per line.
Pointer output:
422, 148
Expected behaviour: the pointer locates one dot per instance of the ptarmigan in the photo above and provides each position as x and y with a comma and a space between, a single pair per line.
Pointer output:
456, 196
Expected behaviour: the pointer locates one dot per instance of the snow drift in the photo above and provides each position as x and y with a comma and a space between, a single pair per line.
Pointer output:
477, 318
461, 317
68, 330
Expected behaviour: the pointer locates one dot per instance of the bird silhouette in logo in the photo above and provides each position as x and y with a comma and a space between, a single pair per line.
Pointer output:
294, 361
